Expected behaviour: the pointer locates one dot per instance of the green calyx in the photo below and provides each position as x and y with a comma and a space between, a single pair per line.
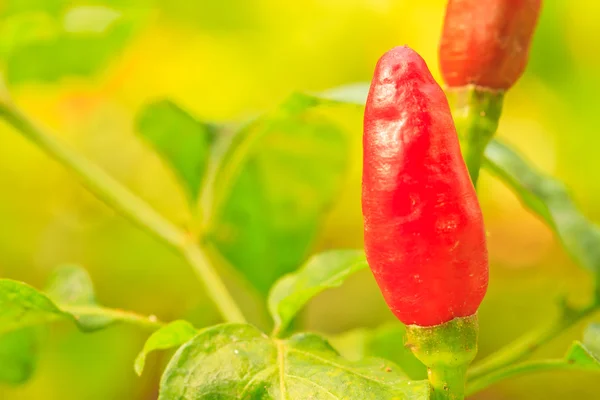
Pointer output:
476, 111
447, 350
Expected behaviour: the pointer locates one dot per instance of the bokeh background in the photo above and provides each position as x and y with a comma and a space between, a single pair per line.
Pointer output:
231, 59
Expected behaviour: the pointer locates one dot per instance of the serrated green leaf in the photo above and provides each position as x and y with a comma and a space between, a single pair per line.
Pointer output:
549, 199
18, 355
236, 361
71, 286
66, 40
183, 142
322, 271
172, 335
279, 176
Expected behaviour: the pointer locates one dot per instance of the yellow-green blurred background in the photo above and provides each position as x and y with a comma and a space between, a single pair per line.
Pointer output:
231, 59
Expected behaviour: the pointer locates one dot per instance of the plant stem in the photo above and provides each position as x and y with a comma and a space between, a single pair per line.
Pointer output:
517, 369
528, 343
446, 350
127, 204
476, 112
150, 322
447, 383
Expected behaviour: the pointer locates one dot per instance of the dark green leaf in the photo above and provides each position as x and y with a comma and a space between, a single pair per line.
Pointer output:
182, 141
18, 355
172, 335
322, 271
71, 287
71, 40
272, 187
549, 199
235, 361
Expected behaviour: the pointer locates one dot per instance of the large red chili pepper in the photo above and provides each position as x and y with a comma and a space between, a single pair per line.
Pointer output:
424, 234
486, 43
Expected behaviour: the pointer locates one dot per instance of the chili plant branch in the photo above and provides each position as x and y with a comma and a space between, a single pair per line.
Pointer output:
476, 112
527, 344
127, 204
149, 322
519, 369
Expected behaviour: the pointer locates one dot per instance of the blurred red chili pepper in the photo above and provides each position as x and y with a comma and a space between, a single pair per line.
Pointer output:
486, 43
424, 234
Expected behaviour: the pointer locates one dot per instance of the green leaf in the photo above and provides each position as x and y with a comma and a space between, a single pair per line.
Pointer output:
71, 287
354, 93
386, 341
18, 355
591, 338
71, 40
174, 334
581, 357
70, 296
236, 361
183, 142
280, 175
322, 271
549, 199
22, 306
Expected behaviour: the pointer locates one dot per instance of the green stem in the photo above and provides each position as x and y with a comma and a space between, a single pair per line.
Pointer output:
446, 350
518, 369
447, 383
127, 204
476, 112
149, 322
527, 344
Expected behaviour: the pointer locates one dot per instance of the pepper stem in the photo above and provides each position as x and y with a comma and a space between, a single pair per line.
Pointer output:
476, 112
446, 350
447, 383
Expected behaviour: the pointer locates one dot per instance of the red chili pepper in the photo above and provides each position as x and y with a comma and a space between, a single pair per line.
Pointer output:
486, 43
424, 234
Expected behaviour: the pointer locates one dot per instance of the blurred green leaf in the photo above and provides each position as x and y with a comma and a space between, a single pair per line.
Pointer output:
578, 358
42, 44
22, 306
549, 199
354, 93
23, 309
174, 334
235, 361
581, 357
591, 338
183, 142
386, 341
274, 184
322, 271
18, 355
71, 285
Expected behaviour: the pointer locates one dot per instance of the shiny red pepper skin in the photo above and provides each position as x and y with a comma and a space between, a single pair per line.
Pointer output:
423, 228
486, 42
